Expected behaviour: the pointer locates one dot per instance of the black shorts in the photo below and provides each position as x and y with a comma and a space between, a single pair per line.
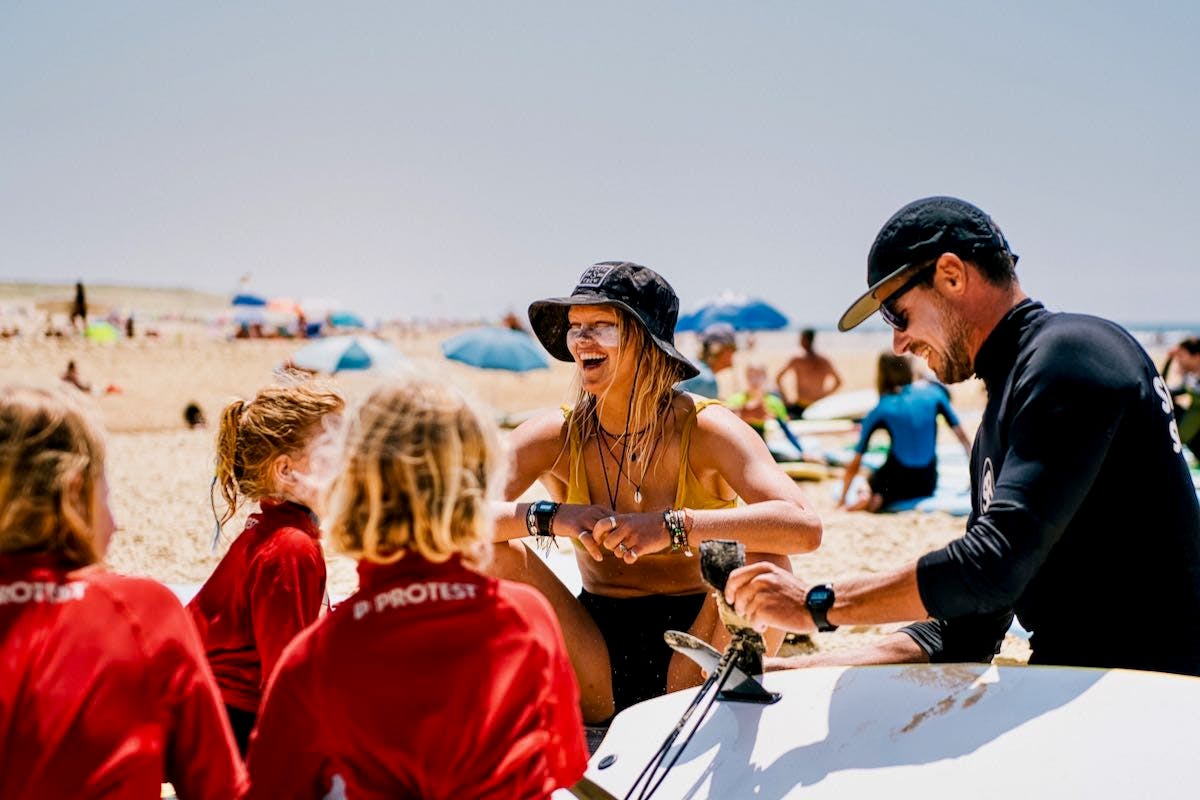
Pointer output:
633, 629
795, 410
895, 481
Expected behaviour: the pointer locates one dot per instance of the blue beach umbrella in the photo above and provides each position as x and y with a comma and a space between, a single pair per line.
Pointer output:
346, 319
339, 353
742, 312
496, 348
248, 300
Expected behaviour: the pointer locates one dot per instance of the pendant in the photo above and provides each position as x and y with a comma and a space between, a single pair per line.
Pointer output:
637, 495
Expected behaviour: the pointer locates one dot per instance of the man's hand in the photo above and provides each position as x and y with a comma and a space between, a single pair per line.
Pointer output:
769, 596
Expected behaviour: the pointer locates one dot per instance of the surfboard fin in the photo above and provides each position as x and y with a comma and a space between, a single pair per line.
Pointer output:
741, 688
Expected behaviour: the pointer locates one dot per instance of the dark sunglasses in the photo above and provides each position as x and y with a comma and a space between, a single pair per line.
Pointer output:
887, 309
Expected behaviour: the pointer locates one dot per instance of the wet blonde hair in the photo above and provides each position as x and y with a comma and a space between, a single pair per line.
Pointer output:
416, 474
51, 459
653, 390
280, 420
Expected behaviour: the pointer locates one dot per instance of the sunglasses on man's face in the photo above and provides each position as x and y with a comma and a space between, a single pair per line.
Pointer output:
887, 309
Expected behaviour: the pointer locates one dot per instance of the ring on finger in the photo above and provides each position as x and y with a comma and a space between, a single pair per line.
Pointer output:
584, 533
621, 548
631, 551
612, 522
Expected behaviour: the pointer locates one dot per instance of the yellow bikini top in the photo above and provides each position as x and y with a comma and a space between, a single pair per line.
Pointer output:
689, 492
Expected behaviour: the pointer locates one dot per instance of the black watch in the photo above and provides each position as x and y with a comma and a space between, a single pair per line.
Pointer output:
818, 601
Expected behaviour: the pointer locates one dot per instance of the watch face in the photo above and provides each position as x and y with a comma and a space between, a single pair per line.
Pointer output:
820, 597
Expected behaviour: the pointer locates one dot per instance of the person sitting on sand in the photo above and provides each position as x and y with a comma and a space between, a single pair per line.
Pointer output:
813, 376
433, 680
270, 585
718, 343
908, 412
104, 689
639, 474
72, 377
756, 405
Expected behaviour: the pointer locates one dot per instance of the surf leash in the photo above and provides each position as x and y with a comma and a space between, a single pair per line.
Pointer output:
651, 770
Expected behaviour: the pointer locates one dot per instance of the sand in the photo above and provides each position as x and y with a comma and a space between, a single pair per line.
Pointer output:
160, 471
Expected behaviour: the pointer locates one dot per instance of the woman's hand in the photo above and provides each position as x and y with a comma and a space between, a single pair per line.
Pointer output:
632, 535
580, 521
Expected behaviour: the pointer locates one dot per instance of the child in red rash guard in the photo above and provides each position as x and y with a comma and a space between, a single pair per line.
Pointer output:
270, 585
433, 680
104, 690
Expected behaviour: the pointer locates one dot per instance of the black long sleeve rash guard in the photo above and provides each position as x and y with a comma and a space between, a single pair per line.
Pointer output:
1084, 519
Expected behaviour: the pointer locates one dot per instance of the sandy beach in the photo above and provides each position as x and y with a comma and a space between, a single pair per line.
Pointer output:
160, 471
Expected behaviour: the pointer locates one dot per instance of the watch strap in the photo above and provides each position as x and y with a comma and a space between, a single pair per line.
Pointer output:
818, 609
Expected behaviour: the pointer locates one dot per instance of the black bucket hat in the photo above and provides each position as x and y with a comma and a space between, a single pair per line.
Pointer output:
639, 291
919, 232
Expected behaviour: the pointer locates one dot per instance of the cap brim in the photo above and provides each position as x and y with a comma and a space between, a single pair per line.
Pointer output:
869, 302
548, 318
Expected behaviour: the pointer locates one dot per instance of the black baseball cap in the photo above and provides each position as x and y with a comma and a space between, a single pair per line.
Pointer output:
639, 291
917, 233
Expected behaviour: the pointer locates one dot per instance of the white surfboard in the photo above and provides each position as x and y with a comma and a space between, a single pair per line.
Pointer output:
852, 405
957, 730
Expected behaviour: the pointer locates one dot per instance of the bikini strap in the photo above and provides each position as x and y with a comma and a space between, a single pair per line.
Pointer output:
685, 441
575, 479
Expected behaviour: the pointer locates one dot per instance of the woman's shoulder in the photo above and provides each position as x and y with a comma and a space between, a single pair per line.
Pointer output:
530, 609
131, 591
710, 415
152, 611
547, 427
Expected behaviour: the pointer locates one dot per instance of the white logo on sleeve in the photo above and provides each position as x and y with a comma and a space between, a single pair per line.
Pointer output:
987, 486
1164, 396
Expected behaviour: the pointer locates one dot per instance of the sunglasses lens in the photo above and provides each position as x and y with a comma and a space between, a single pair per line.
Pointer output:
893, 318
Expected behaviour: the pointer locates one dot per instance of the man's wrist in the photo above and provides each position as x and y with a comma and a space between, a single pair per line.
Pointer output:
819, 601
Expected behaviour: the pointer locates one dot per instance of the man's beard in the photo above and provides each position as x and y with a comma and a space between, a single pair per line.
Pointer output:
955, 363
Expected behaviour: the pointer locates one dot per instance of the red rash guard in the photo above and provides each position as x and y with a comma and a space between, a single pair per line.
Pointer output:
104, 690
267, 588
432, 681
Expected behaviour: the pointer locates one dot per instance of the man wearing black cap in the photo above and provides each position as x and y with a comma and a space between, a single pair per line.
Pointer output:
1084, 520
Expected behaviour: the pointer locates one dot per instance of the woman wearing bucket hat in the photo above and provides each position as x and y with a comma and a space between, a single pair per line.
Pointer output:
640, 474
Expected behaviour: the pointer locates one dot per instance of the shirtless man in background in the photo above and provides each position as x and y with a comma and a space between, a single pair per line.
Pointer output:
814, 377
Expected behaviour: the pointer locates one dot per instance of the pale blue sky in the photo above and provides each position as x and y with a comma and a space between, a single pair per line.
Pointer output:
465, 158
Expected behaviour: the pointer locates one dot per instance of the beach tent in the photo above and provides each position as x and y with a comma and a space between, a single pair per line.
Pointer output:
338, 353
742, 312
496, 348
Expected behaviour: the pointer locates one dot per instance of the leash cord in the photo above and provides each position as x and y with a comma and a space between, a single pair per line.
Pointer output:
718, 677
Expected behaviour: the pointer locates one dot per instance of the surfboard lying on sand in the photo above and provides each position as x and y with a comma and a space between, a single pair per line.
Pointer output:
851, 405
956, 730
805, 470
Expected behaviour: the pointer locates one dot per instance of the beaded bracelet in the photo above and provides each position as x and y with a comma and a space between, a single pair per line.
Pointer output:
531, 519
674, 520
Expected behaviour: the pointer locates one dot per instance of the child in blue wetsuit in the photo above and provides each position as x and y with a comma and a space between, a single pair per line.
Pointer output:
908, 412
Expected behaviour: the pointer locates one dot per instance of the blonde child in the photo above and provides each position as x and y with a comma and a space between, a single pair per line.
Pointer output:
271, 583
104, 689
433, 680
